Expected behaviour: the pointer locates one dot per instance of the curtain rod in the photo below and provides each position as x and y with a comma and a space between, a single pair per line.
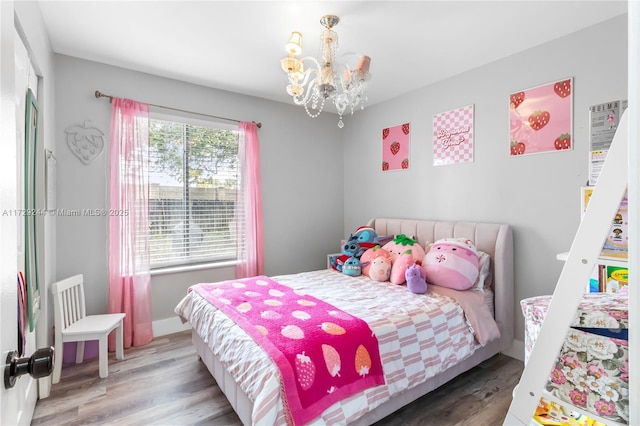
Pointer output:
99, 94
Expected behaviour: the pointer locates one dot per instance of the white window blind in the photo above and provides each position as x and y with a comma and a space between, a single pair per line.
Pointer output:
194, 181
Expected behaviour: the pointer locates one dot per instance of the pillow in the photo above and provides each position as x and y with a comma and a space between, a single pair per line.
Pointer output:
452, 263
484, 271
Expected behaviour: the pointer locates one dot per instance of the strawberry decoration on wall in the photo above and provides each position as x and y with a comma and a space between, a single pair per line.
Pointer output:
516, 99
540, 118
562, 88
395, 147
85, 141
563, 141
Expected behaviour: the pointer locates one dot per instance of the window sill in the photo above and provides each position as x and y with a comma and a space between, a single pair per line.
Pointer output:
189, 268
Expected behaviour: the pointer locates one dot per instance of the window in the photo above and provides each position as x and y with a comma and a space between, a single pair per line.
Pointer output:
193, 182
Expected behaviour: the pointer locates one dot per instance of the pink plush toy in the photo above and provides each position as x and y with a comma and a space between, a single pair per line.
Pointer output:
400, 244
404, 252
452, 263
380, 268
370, 255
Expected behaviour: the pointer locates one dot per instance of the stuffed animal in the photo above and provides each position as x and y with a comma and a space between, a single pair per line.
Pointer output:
370, 255
415, 277
380, 268
352, 267
452, 263
404, 252
367, 238
399, 266
400, 244
350, 249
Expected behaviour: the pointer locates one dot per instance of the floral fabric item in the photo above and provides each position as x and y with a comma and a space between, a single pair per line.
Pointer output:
592, 370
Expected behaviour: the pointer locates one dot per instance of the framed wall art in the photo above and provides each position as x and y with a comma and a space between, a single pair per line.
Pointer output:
541, 118
395, 147
453, 136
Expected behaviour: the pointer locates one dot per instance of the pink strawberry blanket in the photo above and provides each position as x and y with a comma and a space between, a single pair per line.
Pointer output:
324, 354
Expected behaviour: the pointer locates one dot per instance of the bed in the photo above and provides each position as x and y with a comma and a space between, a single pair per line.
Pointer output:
413, 364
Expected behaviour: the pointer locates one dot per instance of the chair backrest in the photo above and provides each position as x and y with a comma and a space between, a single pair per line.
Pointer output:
68, 301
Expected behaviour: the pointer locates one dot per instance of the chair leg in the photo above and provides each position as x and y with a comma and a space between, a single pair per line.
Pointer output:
57, 360
119, 341
103, 356
79, 352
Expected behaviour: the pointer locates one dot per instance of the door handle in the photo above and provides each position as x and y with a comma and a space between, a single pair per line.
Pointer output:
38, 365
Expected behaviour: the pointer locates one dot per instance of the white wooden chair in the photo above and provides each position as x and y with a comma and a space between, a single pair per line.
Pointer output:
73, 325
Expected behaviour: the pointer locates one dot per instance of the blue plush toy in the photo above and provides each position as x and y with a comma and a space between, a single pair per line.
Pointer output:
352, 267
367, 238
416, 282
349, 250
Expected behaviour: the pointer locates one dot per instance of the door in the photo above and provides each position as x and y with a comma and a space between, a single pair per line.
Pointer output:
9, 398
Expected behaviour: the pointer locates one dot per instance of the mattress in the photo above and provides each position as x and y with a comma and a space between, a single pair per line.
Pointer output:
419, 336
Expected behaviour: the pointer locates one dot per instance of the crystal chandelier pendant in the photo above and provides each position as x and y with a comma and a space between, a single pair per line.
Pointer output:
311, 86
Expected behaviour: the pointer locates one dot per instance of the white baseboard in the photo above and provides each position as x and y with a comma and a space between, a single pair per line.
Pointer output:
44, 387
168, 326
516, 350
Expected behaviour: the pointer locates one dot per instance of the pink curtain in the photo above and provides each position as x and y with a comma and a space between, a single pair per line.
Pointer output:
250, 248
129, 278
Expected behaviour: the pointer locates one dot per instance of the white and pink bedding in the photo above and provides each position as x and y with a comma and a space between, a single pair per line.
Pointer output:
323, 353
419, 336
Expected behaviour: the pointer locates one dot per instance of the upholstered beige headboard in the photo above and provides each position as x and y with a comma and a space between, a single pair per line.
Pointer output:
492, 238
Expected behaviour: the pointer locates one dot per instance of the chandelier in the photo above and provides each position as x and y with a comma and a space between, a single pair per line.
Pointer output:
313, 86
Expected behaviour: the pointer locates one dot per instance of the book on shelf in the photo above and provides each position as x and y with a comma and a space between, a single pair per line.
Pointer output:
616, 245
609, 279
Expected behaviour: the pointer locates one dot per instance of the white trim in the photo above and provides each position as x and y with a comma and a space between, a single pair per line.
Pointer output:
168, 326
25, 413
192, 267
44, 387
516, 350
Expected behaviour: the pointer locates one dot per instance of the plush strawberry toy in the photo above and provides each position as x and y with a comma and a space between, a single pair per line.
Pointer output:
404, 252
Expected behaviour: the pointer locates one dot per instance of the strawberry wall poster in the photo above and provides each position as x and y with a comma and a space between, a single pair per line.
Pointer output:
540, 118
395, 147
453, 136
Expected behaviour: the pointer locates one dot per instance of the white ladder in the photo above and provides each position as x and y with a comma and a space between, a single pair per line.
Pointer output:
585, 250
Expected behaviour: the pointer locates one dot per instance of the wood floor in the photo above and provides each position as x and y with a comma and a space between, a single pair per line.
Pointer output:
163, 383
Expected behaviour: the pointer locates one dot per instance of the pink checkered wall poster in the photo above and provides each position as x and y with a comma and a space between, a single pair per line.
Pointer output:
395, 147
453, 136
540, 118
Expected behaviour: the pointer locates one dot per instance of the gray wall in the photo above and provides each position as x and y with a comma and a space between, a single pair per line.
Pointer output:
308, 186
301, 176
537, 194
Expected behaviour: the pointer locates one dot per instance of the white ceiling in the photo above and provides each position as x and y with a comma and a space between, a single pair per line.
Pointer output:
237, 45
